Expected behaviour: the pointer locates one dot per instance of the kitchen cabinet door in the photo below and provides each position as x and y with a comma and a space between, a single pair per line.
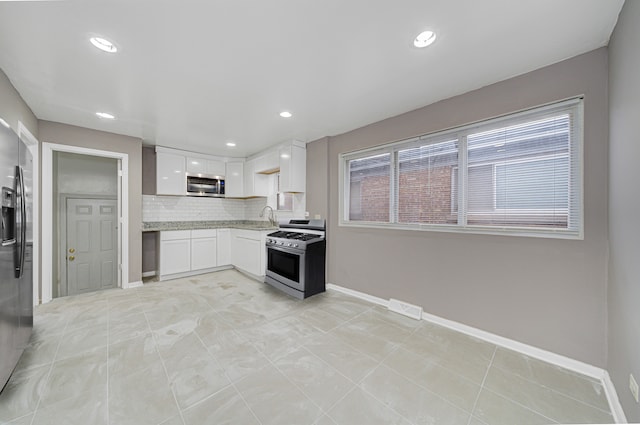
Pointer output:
175, 256
248, 255
267, 163
216, 168
170, 174
293, 169
196, 165
211, 167
224, 247
248, 250
254, 184
204, 253
234, 180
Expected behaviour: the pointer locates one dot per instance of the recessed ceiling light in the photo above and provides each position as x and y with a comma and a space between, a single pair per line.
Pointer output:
103, 44
286, 114
3, 122
231, 144
424, 39
105, 115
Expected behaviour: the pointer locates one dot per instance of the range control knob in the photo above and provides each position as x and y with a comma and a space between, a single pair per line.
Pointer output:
295, 245
288, 244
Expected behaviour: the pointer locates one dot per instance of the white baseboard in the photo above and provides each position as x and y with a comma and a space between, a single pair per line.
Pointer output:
358, 294
130, 285
529, 350
149, 274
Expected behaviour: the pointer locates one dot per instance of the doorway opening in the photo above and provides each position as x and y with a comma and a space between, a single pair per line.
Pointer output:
84, 223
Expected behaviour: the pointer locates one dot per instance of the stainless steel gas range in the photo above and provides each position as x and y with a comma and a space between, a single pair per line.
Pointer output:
296, 258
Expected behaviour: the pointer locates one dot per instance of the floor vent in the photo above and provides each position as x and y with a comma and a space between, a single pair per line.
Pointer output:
405, 309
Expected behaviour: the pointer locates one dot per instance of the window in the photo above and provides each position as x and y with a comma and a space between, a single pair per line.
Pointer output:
519, 174
369, 179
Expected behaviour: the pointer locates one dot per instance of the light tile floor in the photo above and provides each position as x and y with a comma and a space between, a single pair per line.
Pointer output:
223, 349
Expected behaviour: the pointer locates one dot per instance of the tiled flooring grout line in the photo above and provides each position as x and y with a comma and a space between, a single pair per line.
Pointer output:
46, 380
231, 383
296, 386
359, 384
553, 390
155, 342
486, 373
553, 421
410, 380
108, 347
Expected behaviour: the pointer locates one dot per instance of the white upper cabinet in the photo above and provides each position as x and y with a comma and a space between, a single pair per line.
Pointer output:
254, 184
267, 163
293, 168
198, 165
234, 180
170, 174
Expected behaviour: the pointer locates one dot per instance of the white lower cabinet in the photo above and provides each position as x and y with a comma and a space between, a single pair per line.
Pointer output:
224, 247
175, 252
248, 251
187, 252
204, 247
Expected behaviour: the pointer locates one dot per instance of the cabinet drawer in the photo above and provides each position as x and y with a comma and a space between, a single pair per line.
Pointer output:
204, 233
173, 235
247, 234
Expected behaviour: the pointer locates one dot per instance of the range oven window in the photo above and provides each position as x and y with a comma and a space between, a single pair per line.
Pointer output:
284, 264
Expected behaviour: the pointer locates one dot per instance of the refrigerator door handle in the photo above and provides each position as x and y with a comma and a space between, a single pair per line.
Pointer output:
23, 224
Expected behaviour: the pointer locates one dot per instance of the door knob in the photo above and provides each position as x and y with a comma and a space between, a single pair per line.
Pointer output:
71, 258
72, 250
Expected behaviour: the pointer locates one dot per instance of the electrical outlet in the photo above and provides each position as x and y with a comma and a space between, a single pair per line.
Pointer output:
633, 386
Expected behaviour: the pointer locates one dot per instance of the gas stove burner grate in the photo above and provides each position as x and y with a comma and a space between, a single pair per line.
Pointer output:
293, 235
306, 236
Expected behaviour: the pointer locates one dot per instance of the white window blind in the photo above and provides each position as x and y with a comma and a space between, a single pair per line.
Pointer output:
518, 174
425, 183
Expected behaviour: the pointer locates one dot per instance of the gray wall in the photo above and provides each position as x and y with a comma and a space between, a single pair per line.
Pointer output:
14, 109
77, 136
86, 174
549, 293
148, 170
624, 207
318, 178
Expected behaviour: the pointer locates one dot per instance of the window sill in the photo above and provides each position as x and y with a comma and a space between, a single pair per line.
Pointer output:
478, 230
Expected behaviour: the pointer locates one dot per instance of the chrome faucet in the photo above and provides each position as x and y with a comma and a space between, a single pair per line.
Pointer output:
271, 218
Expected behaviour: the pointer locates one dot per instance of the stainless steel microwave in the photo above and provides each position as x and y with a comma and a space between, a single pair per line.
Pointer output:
205, 186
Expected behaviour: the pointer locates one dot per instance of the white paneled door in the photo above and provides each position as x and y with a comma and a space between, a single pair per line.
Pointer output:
92, 245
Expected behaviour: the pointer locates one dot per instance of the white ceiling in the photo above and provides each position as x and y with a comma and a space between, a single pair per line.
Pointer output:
195, 74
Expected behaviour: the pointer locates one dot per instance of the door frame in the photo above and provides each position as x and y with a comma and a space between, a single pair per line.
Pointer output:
62, 237
47, 213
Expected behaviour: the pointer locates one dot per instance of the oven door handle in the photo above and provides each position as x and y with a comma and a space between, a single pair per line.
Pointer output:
288, 249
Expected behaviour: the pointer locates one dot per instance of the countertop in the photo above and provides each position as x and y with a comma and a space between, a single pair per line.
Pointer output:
154, 226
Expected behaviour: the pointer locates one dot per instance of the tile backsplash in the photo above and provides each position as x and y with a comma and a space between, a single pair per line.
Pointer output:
185, 208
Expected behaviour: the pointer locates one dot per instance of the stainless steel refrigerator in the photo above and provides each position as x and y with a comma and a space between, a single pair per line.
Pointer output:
16, 249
